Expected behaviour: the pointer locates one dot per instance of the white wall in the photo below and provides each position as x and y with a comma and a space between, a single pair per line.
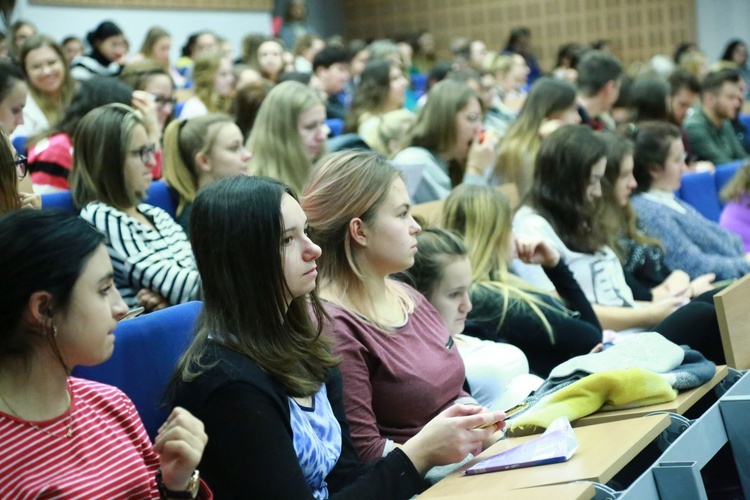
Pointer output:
719, 21
60, 22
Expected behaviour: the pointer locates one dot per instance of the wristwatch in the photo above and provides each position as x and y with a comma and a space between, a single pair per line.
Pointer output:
190, 493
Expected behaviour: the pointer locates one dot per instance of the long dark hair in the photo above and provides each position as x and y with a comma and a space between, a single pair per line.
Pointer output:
236, 230
9, 197
562, 172
42, 250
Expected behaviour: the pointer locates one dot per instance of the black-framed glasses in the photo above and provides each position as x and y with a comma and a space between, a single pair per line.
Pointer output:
21, 163
146, 153
165, 101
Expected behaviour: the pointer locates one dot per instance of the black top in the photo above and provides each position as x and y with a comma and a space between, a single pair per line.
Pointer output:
576, 329
250, 451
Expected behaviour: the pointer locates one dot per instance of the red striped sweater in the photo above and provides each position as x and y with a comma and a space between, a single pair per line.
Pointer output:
109, 455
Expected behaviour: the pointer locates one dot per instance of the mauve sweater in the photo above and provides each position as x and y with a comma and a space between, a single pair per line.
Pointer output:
395, 382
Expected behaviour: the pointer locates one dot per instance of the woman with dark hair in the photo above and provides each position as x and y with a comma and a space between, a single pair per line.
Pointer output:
246, 104
51, 155
262, 377
447, 143
114, 158
59, 313
648, 99
642, 257
382, 88
561, 209
51, 86
13, 93
108, 48
736, 52
691, 242
550, 104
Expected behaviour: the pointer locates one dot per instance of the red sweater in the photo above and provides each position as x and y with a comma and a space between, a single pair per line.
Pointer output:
108, 456
394, 383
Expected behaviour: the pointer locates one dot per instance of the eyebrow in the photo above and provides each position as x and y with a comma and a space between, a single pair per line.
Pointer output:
107, 277
291, 229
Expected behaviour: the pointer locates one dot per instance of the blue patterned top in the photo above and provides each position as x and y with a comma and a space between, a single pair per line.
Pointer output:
317, 440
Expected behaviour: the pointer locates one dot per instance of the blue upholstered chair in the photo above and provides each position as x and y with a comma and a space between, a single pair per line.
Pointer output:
699, 190
147, 349
336, 125
19, 143
725, 172
157, 195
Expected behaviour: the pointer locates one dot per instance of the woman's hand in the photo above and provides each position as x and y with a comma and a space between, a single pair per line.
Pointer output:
145, 103
151, 300
179, 443
481, 153
30, 200
451, 435
658, 311
702, 284
537, 251
677, 284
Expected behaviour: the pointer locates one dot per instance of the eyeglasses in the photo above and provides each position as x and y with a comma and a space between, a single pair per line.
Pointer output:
21, 163
165, 101
474, 117
146, 153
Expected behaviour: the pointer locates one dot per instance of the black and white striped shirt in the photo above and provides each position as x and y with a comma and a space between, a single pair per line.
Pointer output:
161, 261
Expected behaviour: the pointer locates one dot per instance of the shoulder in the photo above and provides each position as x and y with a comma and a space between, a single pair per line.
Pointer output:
97, 209
530, 219
412, 155
100, 395
695, 121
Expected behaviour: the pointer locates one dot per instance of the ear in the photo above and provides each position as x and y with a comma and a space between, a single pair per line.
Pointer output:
607, 89
202, 162
655, 170
38, 313
358, 232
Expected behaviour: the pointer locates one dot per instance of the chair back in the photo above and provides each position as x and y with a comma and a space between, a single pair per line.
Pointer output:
699, 190
336, 125
147, 349
733, 314
157, 195
725, 172
59, 201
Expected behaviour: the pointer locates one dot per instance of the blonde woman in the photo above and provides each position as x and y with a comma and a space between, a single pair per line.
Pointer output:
51, 87
157, 46
200, 151
214, 86
390, 130
550, 103
446, 144
399, 361
289, 134
507, 309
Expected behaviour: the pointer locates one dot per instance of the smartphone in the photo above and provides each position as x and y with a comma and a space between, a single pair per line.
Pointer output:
508, 413
723, 283
133, 313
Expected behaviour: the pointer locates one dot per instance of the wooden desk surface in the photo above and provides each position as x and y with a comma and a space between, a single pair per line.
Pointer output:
567, 491
603, 450
680, 405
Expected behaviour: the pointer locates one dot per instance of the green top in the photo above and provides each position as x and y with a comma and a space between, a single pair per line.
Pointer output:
709, 142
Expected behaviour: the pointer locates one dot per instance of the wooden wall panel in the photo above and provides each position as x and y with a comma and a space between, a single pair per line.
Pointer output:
257, 5
638, 29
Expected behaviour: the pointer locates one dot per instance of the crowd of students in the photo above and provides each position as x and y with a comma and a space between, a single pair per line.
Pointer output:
343, 348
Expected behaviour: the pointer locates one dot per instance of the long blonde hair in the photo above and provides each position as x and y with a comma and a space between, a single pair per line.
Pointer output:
204, 71
183, 140
344, 186
52, 109
274, 140
482, 216
519, 147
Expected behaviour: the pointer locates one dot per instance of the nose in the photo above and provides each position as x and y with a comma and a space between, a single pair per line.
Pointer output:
246, 155
323, 132
415, 228
119, 307
312, 251
465, 305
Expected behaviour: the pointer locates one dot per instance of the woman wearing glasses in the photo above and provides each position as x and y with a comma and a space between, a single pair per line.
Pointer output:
10, 177
150, 77
51, 158
153, 262
447, 143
